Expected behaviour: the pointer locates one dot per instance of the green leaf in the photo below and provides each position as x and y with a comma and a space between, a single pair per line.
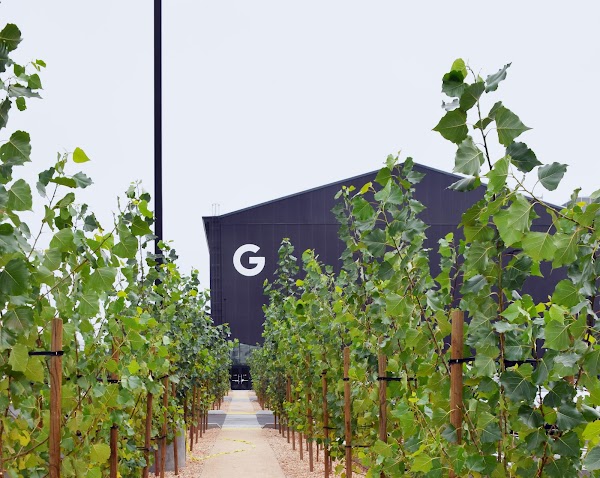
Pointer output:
383, 176
550, 175
469, 158
88, 305
19, 356
508, 126
34, 82
536, 440
492, 81
391, 194
139, 227
19, 91
4, 108
35, 370
17, 150
460, 66
557, 336
566, 293
14, 279
10, 36
453, 126
18, 320
82, 180
63, 241
568, 417
375, 242
453, 81
482, 124
422, 463
4, 58
471, 95
517, 387
362, 209
539, 246
530, 416
63, 181
497, 176
567, 444
394, 305
474, 284
102, 279
79, 156
491, 433
477, 256
465, 184
514, 221
127, 247
516, 272
19, 196
383, 449
592, 459
67, 200
52, 259
485, 365
522, 157
542, 371
99, 453
592, 362
143, 206
21, 103
566, 249
133, 367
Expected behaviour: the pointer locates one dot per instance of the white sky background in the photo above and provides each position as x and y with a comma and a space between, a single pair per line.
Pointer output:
266, 98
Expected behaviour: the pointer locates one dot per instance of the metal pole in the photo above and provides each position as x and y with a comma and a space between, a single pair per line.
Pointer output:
158, 202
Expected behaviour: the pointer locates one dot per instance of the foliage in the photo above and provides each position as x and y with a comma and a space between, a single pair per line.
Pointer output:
129, 317
531, 394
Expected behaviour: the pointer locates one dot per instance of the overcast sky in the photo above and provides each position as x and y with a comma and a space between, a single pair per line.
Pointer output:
266, 98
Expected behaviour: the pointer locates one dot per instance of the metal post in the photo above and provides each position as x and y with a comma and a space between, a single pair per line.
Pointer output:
158, 202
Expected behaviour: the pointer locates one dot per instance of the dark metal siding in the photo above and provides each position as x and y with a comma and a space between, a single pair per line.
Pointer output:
307, 220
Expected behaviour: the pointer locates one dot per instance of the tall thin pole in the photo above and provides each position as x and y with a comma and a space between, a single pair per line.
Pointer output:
158, 202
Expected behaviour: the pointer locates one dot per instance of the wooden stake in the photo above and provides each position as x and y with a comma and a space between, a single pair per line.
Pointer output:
192, 418
456, 378
163, 451
309, 440
300, 446
347, 413
1, 450
382, 367
288, 393
147, 435
175, 448
325, 424
200, 428
114, 430
55, 398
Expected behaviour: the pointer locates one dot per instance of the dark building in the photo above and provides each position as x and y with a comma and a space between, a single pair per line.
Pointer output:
243, 244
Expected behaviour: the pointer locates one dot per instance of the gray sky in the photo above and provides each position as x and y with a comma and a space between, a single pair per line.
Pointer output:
267, 98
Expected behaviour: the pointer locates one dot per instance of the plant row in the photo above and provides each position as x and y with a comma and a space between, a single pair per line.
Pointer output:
530, 390
105, 347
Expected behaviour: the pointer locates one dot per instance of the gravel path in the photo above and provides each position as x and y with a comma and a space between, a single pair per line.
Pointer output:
246, 449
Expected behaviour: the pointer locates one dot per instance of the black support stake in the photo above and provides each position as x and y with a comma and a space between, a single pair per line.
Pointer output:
158, 200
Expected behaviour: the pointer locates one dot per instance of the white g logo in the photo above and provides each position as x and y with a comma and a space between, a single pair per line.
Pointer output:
259, 262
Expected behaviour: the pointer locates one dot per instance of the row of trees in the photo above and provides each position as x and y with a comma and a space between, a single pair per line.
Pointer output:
102, 343
528, 409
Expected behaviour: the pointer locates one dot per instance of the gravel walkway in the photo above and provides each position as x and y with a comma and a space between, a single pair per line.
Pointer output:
247, 446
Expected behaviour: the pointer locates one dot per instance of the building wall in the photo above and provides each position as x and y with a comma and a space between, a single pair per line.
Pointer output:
306, 219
